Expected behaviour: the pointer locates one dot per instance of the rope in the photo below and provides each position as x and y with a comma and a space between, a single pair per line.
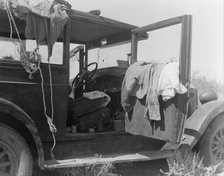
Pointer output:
32, 68
28, 66
52, 109
52, 127
51, 91
10, 22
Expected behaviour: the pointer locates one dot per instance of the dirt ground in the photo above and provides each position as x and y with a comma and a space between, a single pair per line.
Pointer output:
149, 168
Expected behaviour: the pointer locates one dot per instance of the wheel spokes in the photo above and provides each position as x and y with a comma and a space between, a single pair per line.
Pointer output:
6, 161
2, 154
4, 174
217, 147
222, 157
5, 164
222, 132
217, 138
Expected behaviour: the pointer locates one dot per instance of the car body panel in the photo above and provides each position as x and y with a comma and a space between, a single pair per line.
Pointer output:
197, 123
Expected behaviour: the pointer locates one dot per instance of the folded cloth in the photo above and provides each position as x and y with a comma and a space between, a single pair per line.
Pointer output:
97, 94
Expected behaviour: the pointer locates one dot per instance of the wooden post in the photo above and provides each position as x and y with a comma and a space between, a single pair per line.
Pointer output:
66, 44
86, 55
81, 59
185, 50
184, 69
134, 47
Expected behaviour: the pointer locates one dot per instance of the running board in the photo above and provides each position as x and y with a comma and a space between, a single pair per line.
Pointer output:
141, 156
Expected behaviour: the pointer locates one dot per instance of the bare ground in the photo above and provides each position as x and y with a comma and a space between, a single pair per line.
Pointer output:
149, 168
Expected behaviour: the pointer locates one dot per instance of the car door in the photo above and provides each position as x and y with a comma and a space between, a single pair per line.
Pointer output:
173, 112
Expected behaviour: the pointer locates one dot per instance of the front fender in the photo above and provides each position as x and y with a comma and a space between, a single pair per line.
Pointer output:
16, 112
197, 124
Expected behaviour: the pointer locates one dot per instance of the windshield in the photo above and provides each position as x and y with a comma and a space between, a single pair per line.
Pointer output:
105, 57
111, 56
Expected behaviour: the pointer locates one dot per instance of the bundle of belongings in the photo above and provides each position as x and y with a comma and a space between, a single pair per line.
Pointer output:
148, 81
44, 18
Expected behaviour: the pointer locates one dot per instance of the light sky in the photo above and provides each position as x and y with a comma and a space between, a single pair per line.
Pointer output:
207, 34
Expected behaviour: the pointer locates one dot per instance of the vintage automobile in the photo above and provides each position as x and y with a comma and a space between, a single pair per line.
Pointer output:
84, 127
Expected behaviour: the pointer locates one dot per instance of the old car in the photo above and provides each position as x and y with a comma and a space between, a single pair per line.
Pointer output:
47, 118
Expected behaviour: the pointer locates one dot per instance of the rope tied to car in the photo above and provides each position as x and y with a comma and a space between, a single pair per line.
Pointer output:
32, 68
51, 125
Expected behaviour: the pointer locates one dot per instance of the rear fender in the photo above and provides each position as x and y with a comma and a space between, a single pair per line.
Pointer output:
16, 112
199, 121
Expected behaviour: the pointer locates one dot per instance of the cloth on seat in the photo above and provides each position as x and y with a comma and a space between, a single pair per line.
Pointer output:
141, 79
88, 103
97, 94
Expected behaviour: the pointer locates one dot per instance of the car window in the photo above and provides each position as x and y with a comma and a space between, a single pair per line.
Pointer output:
10, 49
13, 50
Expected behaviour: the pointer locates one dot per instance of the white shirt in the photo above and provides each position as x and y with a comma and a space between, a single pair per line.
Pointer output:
169, 84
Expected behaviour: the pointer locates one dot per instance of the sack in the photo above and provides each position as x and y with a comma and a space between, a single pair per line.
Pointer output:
99, 120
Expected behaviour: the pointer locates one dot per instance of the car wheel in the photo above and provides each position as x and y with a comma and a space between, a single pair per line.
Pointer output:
211, 145
15, 155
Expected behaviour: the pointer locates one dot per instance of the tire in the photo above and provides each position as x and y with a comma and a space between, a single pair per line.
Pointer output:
211, 145
15, 155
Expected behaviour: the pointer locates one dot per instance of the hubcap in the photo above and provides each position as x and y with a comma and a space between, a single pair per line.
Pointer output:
217, 146
8, 161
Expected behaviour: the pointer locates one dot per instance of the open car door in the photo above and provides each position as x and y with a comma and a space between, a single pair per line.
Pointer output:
173, 112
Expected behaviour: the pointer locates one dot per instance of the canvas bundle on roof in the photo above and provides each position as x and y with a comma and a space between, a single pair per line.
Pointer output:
40, 7
86, 28
44, 19
44, 23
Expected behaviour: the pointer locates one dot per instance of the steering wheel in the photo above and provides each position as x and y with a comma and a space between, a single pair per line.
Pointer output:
84, 75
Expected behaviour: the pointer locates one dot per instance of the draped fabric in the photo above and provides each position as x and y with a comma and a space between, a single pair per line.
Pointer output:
45, 19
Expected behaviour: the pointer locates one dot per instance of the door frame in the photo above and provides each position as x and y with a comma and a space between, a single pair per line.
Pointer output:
184, 58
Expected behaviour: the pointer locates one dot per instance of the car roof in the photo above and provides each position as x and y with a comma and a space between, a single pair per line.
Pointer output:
86, 28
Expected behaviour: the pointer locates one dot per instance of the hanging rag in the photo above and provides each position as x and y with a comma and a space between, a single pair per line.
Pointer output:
130, 85
45, 30
45, 19
152, 110
141, 80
